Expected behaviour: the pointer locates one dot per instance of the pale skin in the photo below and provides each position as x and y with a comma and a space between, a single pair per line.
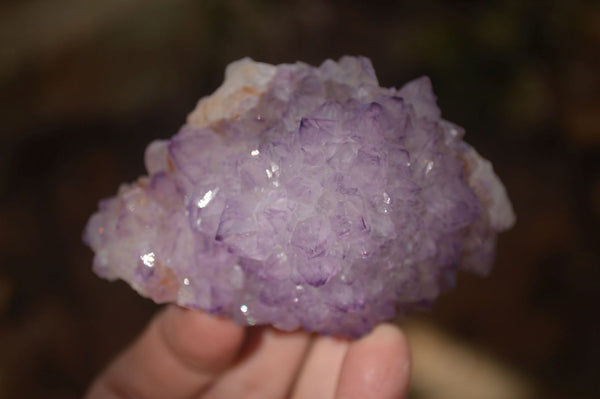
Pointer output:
189, 354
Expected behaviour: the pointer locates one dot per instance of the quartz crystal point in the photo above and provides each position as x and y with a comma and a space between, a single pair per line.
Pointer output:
305, 197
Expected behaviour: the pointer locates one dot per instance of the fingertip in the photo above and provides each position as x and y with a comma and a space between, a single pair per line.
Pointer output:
389, 344
393, 338
377, 365
203, 342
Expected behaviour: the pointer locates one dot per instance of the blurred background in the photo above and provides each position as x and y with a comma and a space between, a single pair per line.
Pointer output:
84, 86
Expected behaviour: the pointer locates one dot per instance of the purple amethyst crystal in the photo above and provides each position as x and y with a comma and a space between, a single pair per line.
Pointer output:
305, 197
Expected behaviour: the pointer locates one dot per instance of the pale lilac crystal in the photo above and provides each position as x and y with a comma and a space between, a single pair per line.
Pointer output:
305, 197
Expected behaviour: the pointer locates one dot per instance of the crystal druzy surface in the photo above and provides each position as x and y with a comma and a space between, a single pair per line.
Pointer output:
305, 197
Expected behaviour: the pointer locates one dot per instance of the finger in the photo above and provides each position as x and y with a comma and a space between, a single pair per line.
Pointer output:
177, 356
321, 369
376, 366
267, 370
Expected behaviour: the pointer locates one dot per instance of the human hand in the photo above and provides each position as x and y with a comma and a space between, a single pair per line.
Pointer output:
189, 354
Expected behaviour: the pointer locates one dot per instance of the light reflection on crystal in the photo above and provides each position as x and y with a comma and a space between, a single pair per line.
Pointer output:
249, 319
148, 259
186, 281
386, 198
254, 153
428, 167
208, 196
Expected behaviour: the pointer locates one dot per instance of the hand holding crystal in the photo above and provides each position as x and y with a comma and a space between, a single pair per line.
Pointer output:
189, 354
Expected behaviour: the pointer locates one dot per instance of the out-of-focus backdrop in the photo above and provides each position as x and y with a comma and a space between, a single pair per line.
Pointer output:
85, 85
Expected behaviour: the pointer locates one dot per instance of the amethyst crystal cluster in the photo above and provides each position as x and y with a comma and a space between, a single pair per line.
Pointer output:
301, 196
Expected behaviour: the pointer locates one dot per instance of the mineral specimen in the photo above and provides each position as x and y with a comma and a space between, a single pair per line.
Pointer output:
305, 197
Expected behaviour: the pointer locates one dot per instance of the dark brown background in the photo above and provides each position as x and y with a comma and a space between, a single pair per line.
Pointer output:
84, 86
